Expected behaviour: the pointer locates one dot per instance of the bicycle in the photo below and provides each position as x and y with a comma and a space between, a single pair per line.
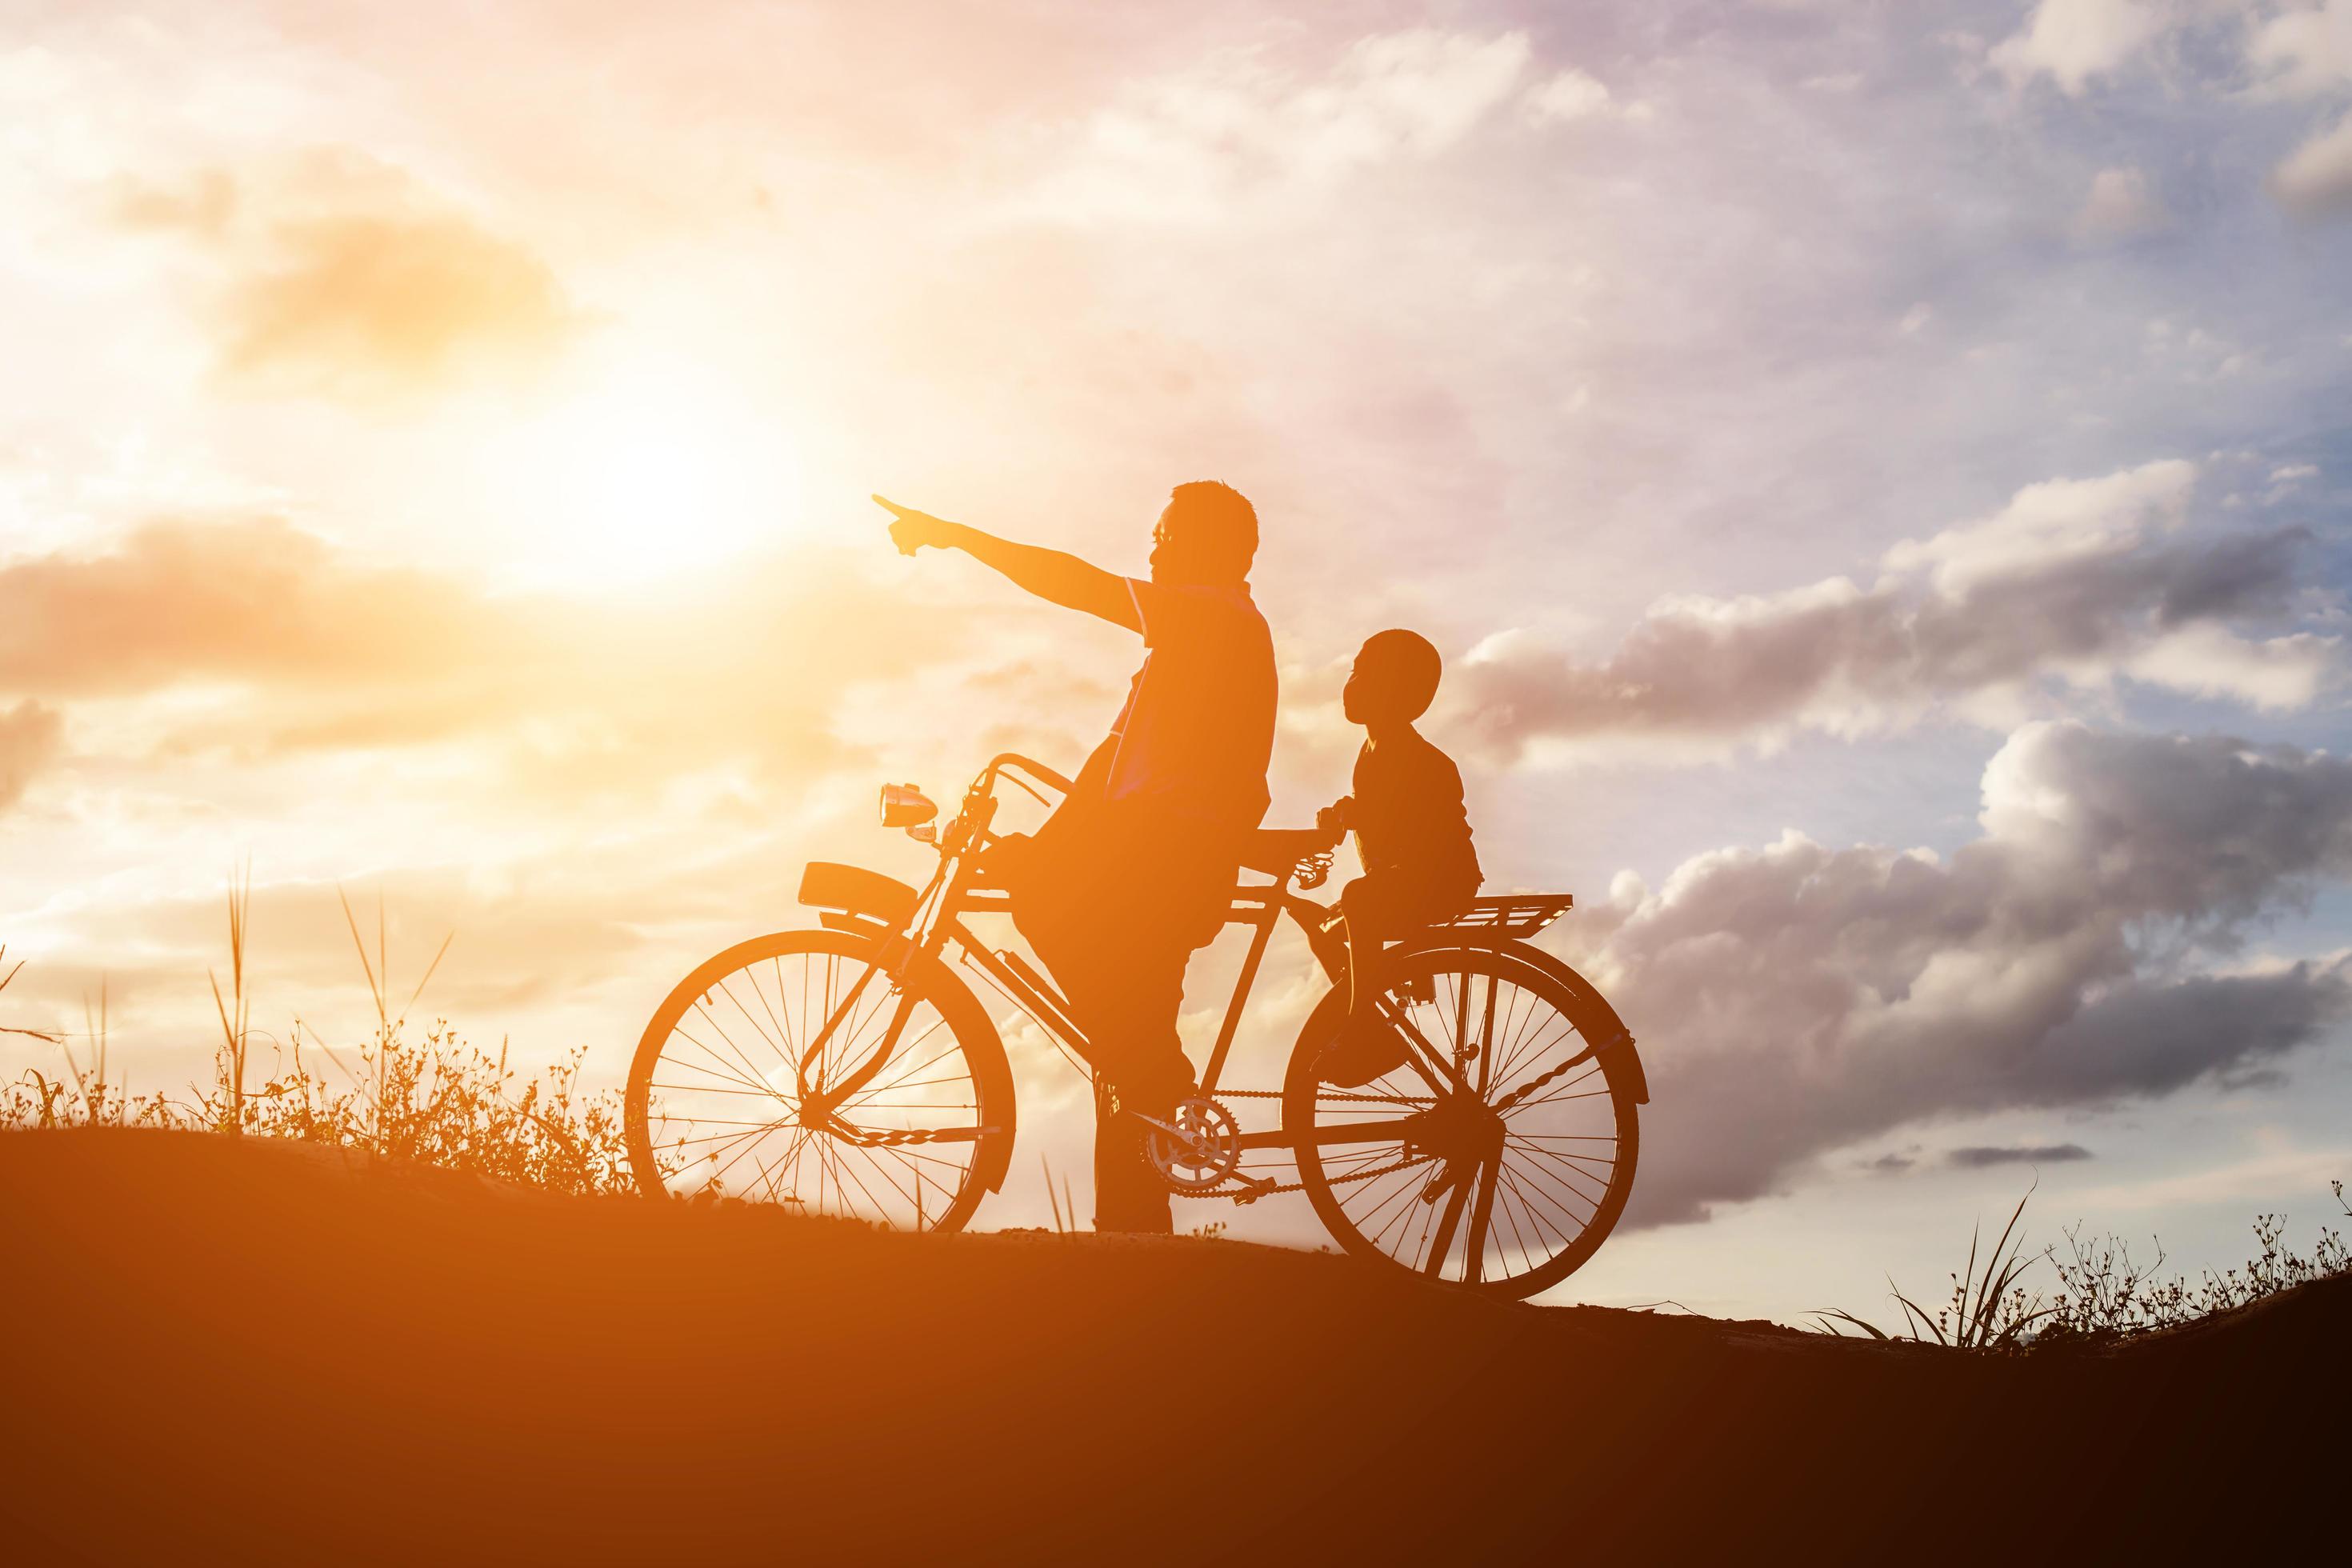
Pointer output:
1500, 1155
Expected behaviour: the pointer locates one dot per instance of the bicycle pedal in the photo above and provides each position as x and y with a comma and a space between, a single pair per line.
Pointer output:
1252, 1188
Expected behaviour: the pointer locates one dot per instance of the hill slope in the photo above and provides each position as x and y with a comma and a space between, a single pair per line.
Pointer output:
271, 1353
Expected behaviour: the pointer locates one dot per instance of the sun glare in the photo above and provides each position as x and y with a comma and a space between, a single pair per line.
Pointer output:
651, 468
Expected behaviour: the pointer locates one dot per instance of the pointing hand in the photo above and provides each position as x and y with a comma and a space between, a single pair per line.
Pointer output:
911, 530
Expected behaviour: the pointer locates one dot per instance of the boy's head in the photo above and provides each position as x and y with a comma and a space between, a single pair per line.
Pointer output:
1395, 678
1207, 535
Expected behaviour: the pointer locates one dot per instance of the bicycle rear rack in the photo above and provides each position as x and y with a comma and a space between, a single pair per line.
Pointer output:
1512, 916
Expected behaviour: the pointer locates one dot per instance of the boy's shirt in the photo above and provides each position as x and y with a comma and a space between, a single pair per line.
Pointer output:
1408, 817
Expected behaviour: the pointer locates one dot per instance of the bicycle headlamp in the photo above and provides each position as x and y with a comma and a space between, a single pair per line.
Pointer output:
904, 806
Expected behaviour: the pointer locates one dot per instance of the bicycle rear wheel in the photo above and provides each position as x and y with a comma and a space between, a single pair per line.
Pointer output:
1507, 1178
738, 1089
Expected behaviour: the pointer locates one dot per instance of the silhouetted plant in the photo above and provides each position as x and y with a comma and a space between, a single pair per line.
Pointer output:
1988, 1310
438, 1101
2102, 1293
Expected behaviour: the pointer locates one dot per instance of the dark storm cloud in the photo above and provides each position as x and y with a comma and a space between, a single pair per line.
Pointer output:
1978, 1156
2077, 581
1796, 998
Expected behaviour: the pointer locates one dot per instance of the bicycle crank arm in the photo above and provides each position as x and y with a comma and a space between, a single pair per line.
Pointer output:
1192, 1143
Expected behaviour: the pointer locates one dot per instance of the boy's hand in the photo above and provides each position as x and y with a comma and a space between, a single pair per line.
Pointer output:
911, 530
1333, 818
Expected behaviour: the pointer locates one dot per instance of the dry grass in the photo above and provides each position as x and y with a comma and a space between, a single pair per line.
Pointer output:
2101, 1294
435, 1099
1988, 1309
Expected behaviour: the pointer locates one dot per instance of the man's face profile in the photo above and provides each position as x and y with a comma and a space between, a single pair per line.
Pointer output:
1169, 558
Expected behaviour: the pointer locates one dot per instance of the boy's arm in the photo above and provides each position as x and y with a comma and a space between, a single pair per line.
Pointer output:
1051, 574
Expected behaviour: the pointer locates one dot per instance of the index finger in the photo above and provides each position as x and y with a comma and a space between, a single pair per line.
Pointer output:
893, 507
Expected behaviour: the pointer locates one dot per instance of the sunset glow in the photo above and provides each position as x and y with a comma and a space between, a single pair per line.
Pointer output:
1878, 478
651, 468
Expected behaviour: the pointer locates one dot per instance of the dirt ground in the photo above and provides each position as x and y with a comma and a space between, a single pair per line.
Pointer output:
263, 1352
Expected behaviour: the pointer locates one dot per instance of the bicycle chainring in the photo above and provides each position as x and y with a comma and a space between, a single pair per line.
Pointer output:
1208, 1155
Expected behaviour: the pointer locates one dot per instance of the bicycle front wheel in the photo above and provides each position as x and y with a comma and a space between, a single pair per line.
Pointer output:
1506, 1164
773, 1074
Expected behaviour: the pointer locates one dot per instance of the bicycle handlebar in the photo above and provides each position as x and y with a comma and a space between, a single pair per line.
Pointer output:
1029, 765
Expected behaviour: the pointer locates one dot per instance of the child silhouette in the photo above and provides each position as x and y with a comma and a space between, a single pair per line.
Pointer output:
1412, 835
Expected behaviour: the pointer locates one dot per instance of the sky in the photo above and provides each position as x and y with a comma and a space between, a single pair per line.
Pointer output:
1878, 474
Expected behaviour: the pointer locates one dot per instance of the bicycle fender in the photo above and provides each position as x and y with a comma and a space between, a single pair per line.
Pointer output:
1620, 1041
830, 885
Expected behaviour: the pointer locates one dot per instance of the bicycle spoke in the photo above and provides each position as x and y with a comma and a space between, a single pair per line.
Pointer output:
1533, 1190
708, 1088
751, 1072
1506, 1209
727, 991
710, 1103
909, 1047
751, 1086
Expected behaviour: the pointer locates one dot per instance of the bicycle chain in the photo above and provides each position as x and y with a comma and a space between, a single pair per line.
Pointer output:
1249, 1194
886, 1139
1502, 1106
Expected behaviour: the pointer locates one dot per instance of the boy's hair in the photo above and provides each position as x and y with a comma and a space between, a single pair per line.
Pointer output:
1409, 668
1219, 523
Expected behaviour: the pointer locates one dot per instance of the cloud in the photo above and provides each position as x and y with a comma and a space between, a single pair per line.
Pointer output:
1794, 999
246, 599
30, 737
2074, 40
1978, 1156
2076, 581
2120, 205
2315, 179
298, 647
365, 303
2306, 52
1566, 95
1195, 142
2054, 521
344, 277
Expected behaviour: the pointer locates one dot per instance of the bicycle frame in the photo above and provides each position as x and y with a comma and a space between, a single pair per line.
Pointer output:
929, 921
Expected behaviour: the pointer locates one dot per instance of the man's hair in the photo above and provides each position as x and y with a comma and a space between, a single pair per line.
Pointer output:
1407, 668
1219, 523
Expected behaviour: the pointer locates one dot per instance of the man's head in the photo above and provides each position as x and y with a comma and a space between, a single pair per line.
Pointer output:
1395, 680
1207, 535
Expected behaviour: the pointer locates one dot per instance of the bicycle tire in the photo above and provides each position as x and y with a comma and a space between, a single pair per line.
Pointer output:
1311, 1110
987, 1125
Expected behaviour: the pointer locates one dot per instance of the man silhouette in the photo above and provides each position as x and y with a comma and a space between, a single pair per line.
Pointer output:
1135, 869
